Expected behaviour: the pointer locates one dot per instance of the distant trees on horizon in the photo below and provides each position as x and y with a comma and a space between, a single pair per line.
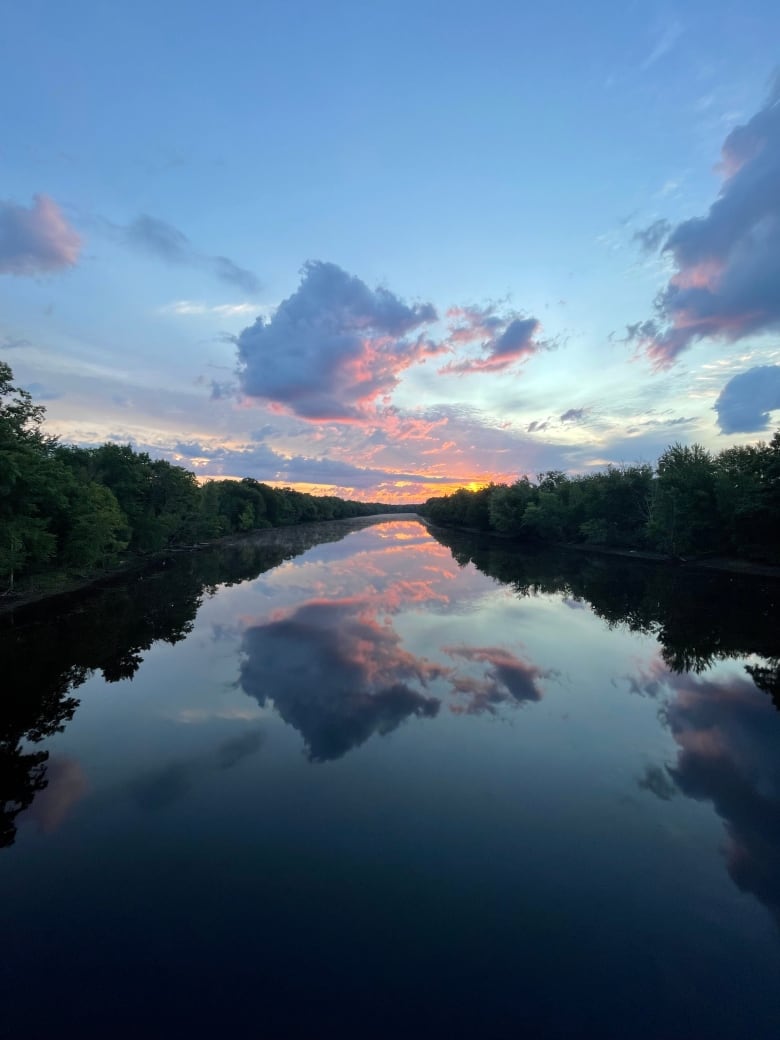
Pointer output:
691, 502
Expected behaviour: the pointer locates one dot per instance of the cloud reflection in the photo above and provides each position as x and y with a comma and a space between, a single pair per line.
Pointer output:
507, 678
337, 674
727, 734
175, 779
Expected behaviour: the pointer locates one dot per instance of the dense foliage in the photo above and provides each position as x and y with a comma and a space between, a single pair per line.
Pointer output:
693, 502
66, 510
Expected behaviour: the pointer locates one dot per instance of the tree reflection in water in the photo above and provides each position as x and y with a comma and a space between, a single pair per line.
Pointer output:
371, 683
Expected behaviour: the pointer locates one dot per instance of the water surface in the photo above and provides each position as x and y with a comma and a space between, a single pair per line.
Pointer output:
359, 779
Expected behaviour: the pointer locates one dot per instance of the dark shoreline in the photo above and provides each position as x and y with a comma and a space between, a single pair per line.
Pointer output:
721, 564
27, 605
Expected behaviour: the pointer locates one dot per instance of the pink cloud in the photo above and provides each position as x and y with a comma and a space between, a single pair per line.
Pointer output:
37, 239
507, 678
66, 785
504, 340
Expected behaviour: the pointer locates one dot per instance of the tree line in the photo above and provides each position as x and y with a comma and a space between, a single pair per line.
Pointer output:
690, 502
66, 510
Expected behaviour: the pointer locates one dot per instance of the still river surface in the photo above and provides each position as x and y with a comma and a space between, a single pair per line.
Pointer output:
368, 779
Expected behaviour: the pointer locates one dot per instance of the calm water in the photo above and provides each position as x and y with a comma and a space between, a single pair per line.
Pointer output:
362, 781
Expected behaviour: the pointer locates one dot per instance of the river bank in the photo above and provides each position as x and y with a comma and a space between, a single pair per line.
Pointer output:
70, 591
723, 564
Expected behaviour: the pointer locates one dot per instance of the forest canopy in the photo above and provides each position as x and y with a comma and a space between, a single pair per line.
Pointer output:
691, 503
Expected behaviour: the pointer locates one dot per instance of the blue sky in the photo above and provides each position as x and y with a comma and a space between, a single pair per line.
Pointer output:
471, 187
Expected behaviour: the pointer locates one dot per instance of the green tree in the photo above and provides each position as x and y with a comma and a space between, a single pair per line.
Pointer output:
685, 515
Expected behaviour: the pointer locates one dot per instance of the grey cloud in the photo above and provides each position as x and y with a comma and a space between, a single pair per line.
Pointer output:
42, 393
223, 390
658, 782
36, 240
728, 262
334, 347
14, 343
158, 237
652, 237
537, 426
263, 463
746, 401
231, 273
161, 787
573, 415
166, 242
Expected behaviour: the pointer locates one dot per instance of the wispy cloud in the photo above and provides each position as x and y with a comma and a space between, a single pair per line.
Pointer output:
194, 307
666, 40
162, 240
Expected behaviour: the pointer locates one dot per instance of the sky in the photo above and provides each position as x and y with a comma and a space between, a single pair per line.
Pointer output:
385, 250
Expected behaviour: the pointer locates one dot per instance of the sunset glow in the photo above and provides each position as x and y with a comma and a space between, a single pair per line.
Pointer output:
388, 287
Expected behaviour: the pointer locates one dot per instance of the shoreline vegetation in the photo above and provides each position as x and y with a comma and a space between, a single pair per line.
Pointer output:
73, 518
692, 508
71, 591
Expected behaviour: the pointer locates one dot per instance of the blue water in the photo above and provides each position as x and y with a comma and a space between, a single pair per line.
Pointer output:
376, 791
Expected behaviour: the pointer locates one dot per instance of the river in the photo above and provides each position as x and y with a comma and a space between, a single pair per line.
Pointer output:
372, 779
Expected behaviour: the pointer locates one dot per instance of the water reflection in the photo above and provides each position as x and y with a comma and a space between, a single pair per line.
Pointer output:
507, 678
728, 755
335, 667
178, 778
44, 659
698, 618
336, 674
550, 804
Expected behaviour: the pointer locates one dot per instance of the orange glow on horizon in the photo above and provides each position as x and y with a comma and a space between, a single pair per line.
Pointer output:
395, 492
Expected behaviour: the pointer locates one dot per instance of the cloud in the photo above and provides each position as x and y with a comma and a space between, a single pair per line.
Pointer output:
725, 285
667, 38
67, 785
42, 393
263, 463
504, 340
651, 238
36, 240
507, 678
745, 402
537, 426
14, 343
334, 347
162, 240
336, 674
194, 307
160, 787
727, 734
574, 415
657, 781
